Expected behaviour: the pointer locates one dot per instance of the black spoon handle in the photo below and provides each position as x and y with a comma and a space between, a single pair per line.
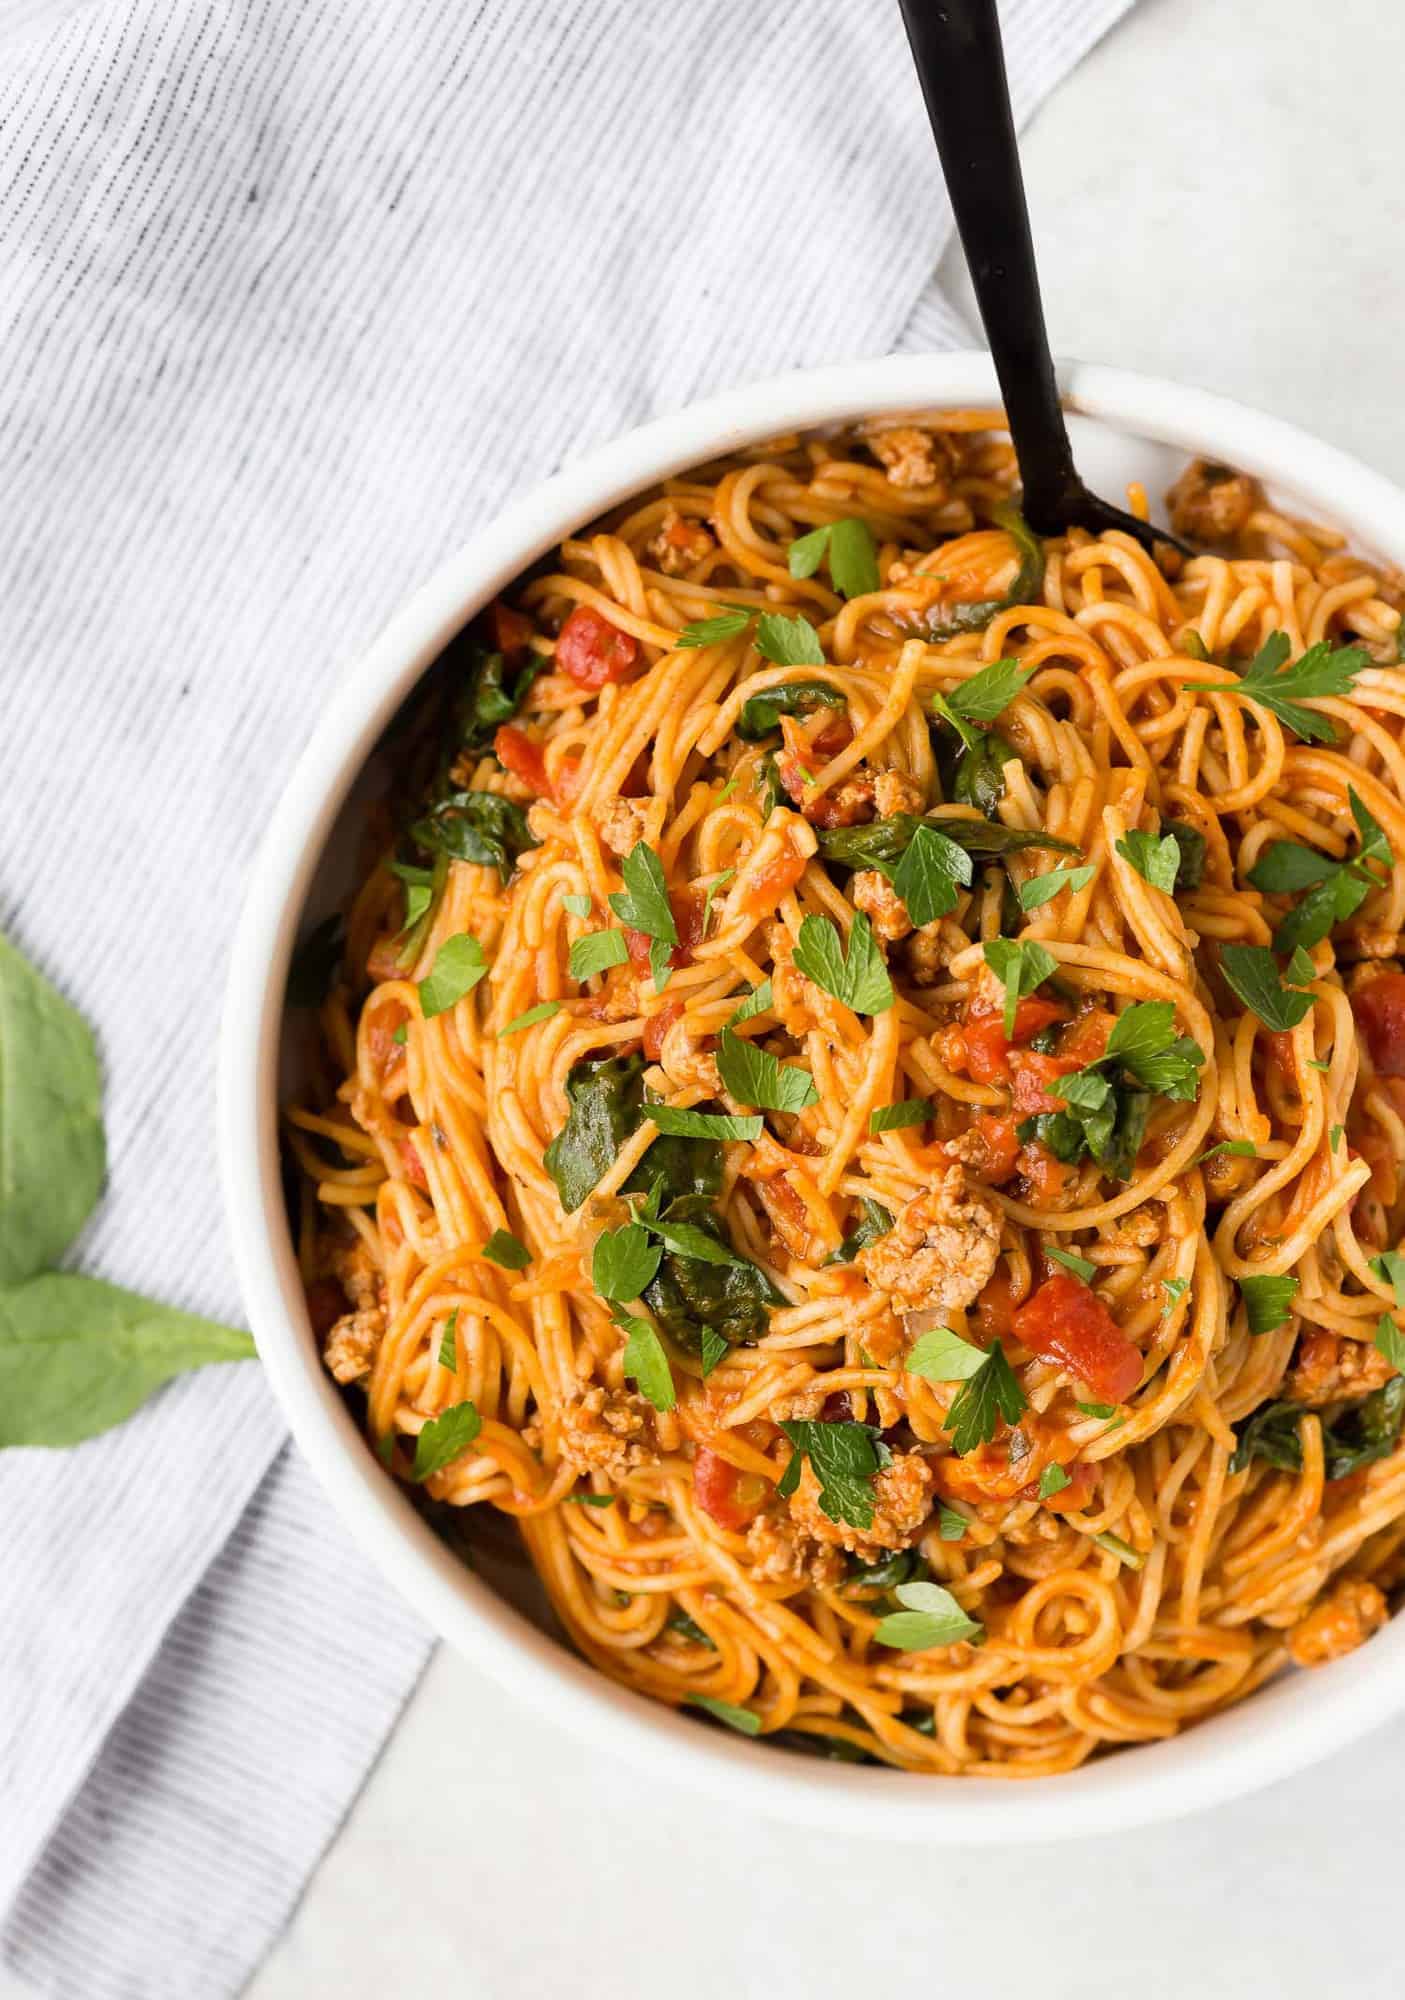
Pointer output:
961, 64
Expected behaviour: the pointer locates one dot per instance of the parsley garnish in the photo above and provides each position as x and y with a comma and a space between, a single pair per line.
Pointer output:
951, 1526
874, 1221
444, 1438
597, 951
1124, 1552
1389, 1267
458, 966
1322, 671
623, 1262
853, 556
1019, 967
756, 1002
1042, 889
643, 905
1175, 1290
982, 698
789, 642
645, 1362
1336, 889
728, 624
401, 1035
746, 1720
1052, 1480
679, 1124
590, 1500
932, 1617
844, 1458
939, 1355
930, 873
1238, 1149
1390, 1342
1251, 972
448, 1344
1079, 1266
990, 1394
502, 1247
579, 906
856, 977
894, 1117
754, 1076
543, 1011
1156, 861
717, 882
712, 1348
1267, 1299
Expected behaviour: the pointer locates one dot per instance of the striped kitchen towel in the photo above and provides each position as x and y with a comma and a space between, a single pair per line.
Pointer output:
296, 294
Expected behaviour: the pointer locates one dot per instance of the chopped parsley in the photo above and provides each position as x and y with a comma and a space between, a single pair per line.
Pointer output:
1335, 889
789, 642
1042, 889
448, 1343
754, 1076
1052, 1480
940, 1355
1157, 861
646, 1363
502, 1247
624, 1261
857, 977
1323, 671
1020, 968
1390, 1342
1267, 1299
745, 1720
894, 1117
445, 1438
1251, 972
459, 964
1389, 1267
579, 906
853, 556
596, 952
714, 631
844, 1458
680, 1124
991, 1393
931, 873
1079, 1266
543, 1011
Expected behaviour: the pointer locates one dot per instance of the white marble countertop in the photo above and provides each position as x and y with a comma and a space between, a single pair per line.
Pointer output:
1217, 196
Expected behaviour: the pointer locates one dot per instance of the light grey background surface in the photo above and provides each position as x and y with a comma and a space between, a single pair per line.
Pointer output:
1219, 195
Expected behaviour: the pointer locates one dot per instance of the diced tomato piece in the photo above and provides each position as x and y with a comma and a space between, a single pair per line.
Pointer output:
516, 752
1034, 1076
326, 1302
1047, 1176
593, 652
1379, 1007
1278, 1046
687, 908
838, 1408
731, 1497
765, 889
509, 631
1085, 1037
658, 1025
414, 1167
834, 734
988, 1049
999, 1148
1066, 1323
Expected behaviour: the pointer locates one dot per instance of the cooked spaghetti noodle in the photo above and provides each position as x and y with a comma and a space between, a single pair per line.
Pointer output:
1001, 1362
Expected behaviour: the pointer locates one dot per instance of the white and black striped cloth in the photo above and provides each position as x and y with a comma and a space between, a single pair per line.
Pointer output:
295, 292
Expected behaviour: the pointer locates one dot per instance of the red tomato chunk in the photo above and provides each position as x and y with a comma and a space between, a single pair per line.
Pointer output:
594, 652
731, 1497
1064, 1322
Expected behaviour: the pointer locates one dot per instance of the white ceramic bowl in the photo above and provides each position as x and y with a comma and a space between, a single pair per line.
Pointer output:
1125, 426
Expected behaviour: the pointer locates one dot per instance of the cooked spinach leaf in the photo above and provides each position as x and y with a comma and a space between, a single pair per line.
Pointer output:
606, 1099
475, 826
1359, 1436
490, 694
884, 842
1026, 586
688, 1294
762, 713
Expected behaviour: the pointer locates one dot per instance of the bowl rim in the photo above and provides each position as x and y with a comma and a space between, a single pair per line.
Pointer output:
1277, 1730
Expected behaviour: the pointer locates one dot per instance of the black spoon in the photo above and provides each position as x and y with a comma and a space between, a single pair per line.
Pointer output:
961, 65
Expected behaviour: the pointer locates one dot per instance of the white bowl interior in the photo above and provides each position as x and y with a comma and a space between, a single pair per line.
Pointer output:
1124, 428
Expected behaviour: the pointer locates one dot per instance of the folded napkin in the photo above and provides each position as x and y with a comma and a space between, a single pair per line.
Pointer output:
297, 296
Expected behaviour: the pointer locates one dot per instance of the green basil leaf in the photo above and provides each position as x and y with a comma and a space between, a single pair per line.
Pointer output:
78, 1356
52, 1152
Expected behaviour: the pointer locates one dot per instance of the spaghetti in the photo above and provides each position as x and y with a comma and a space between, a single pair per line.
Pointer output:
862, 1103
